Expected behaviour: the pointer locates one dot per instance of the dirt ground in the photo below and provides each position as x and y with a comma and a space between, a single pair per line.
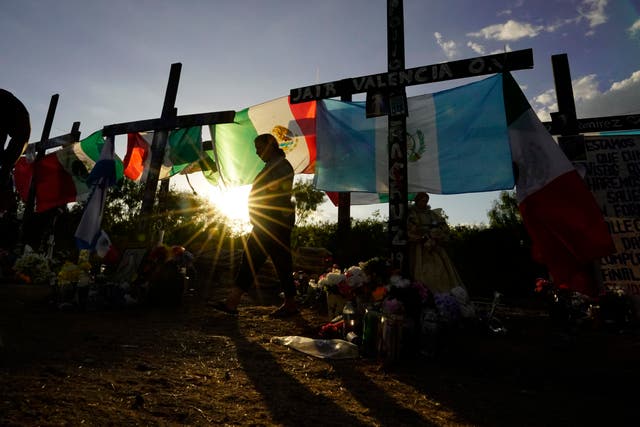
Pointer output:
193, 366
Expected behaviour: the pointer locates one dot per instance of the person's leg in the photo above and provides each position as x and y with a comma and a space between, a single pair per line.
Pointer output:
253, 258
280, 252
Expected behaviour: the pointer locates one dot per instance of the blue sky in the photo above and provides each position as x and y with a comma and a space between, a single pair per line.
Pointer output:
109, 60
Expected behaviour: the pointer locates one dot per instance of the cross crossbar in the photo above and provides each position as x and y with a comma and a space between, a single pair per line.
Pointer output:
481, 65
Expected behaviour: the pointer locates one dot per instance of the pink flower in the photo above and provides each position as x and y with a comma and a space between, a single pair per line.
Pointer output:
392, 306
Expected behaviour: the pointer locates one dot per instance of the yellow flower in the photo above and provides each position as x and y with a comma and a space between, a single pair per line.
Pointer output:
86, 266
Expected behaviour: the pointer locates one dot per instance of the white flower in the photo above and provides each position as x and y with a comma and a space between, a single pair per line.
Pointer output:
331, 279
355, 277
398, 282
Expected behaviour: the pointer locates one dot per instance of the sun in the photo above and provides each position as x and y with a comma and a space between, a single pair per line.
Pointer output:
231, 202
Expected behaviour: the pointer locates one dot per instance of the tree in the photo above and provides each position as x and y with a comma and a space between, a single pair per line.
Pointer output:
187, 218
184, 217
504, 212
123, 203
307, 199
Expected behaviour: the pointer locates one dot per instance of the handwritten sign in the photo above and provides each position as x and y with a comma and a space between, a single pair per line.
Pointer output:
623, 267
612, 172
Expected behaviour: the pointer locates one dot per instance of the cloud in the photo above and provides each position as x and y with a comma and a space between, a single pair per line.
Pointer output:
509, 31
477, 48
505, 48
621, 98
593, 11
634, 30
585, 88
544, 104
448, 46
631, 82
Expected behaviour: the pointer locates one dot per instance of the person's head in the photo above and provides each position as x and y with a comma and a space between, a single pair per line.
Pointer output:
266, 144
421, 199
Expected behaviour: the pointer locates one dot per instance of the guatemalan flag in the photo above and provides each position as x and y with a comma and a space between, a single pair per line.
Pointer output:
293, 125
103, 175
457, 142
470, 139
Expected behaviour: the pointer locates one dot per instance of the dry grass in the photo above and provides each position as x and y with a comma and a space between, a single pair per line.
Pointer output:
193, 366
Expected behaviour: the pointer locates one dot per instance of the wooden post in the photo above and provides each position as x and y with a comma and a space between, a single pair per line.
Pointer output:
564, 94
397, 137
168, 121
393, 84
158, 145
40, 151
344, 246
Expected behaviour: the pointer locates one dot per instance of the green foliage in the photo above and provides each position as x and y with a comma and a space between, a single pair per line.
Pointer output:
494, 259
367, 239
307, 199
122, 207
504, 212
185, 218
488, 258
321, 235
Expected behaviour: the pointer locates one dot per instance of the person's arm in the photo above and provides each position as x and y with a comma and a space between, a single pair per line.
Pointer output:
15, 123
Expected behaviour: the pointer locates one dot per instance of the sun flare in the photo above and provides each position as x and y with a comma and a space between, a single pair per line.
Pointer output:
231, 202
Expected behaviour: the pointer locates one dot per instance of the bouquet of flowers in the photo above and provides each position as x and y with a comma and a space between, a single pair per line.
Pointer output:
334, 282
68, 275
336, 287
405, 296
33, 268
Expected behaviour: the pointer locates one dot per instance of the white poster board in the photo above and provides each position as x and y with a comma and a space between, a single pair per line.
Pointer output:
612, 172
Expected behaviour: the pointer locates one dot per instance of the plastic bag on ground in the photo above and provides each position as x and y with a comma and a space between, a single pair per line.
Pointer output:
321, 348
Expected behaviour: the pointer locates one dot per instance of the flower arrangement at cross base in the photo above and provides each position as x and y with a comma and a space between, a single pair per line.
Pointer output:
337, 290
33, 268
612, 308
73, 280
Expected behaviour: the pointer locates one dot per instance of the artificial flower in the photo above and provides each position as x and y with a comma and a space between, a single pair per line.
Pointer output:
35, 266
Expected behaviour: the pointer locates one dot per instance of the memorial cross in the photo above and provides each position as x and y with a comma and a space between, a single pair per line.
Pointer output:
168, 121
565, 122
610, 165
40, 147
390, 87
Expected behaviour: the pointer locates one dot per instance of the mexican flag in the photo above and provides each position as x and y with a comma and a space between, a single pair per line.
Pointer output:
61, 176
293, 125
184, 146
561, 215
471, 139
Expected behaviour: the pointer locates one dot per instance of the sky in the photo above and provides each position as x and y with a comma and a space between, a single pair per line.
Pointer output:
109, 61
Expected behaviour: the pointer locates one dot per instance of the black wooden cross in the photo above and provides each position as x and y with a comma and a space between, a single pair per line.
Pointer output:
168, 121
392, 86
565, 122
40, 148
610, 172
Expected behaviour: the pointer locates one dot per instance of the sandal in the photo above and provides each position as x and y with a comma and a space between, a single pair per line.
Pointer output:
222, 306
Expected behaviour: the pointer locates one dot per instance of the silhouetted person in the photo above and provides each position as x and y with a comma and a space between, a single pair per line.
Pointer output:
15, 125
272, 215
